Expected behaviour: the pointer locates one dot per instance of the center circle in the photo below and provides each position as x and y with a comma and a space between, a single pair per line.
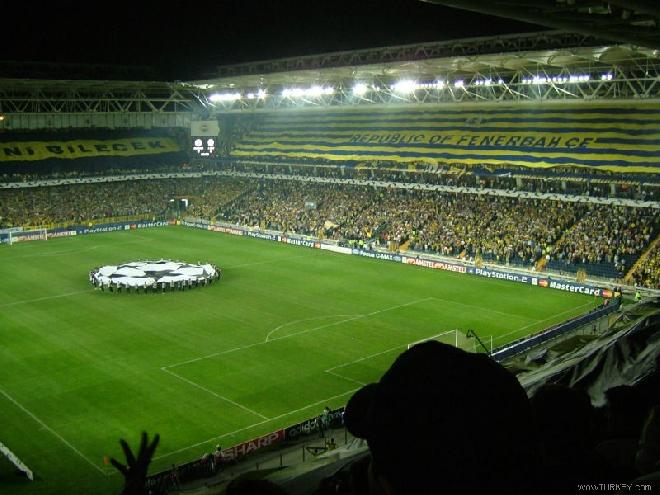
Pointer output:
153, 275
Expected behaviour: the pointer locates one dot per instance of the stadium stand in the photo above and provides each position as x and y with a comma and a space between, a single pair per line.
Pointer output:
647, 272
605, 241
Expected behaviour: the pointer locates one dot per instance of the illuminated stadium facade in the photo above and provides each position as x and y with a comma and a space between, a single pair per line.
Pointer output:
516, 68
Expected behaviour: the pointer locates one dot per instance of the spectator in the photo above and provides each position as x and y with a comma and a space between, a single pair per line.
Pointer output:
443, 420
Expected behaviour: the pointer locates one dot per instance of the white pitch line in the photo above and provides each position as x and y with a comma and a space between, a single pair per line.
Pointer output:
254, 425
345, 378
53, 432
320, 327
364, 358
284, 325
45, 298
499, 337
221, 397
481, 308
329, 370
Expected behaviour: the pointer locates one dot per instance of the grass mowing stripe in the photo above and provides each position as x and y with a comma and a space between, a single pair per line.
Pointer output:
89, 364
488, 310
281, 416
572, 310
51, 431
301, 332
222, 397
45, 298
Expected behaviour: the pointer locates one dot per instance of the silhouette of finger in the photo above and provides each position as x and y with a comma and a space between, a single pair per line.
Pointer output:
130, 458
119, 466
152, 447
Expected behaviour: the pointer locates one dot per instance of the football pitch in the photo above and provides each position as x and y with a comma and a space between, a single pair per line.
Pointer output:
287, 331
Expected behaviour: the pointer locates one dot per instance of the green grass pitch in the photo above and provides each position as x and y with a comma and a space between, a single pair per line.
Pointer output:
282, 335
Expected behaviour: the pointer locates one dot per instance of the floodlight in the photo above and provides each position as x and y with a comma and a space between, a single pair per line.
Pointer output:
459, 84
216, 97
359, 89
261, 94
405, 86
315, 91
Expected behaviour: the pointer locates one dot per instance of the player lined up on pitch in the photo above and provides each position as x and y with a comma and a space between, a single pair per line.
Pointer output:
154, 276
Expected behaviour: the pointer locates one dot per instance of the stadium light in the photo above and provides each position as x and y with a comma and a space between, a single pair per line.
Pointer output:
250, 96
578, 78
313, 91
459, 84
2, 117
292, 92
606, 77
217, 97
261, 94
359, 89
430, 85
405, 86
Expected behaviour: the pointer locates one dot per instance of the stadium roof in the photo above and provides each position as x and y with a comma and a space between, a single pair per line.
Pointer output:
628, 21
527, 67
428, 61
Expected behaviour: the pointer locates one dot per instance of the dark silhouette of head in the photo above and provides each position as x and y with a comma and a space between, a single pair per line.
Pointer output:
565, 418
441, 419
626, 410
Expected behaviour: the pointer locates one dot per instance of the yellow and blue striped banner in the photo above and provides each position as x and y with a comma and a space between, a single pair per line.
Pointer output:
42, 150
617, 137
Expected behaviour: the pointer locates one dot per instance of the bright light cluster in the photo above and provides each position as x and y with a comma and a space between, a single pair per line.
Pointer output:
229, 97
359, 89
219, 97
606, 77
409, 86
557, 79
311, 91
261, 94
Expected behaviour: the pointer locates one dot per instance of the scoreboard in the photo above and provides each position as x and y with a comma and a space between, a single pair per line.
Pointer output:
204, 136
204, 146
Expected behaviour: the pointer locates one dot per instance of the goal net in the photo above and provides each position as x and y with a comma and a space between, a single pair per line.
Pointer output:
28, 235
468, 341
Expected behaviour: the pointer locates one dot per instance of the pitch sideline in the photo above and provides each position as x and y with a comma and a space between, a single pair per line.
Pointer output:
53, 432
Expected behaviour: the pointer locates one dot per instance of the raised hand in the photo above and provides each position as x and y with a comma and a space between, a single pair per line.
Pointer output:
135, 470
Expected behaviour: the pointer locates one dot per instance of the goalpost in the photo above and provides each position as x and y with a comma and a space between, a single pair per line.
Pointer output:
468, 341
28, 235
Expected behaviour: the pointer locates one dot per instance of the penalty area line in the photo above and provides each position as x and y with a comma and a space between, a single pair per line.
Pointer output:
499, 337
221, 397
254, 425
268, 340
53, 432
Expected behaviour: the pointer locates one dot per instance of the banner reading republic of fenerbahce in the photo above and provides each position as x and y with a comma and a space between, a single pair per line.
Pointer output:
42, 150
616, 136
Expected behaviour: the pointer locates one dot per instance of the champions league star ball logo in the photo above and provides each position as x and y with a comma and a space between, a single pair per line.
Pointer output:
158, 275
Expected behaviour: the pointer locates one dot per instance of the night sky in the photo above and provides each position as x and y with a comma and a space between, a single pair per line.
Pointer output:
182, 40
